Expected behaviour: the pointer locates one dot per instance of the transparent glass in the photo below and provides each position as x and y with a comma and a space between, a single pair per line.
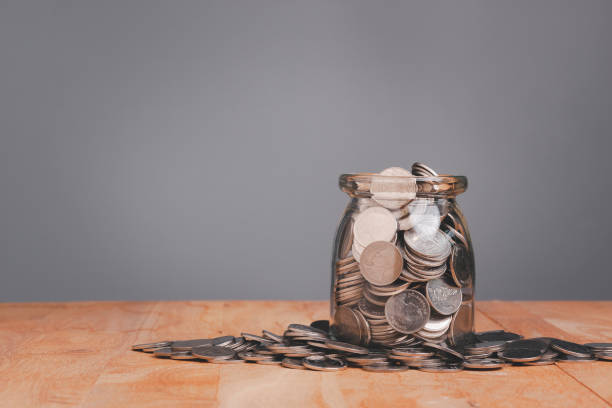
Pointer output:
403, 263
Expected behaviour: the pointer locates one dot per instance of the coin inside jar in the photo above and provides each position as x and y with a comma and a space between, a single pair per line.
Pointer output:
443, 298
347, 325
374, 224
393, 193
381, 263
407, 312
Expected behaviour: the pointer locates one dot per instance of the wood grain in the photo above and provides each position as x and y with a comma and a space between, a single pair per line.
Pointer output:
78, 354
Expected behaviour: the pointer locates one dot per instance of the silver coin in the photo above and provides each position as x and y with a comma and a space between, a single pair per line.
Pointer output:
254, 356
442, 369
269, 362
443, 298
159, 344
424, 217
569, 348
187, 345
484, 364
295, 363
599, 346
395, 189
347, 347
436, 246
223, 340
381, 263
324, 363
573, 359
272, 336
347, 325
182, 355
367, 359
163, 352
374, 224
385, 368
461, 266
423, 170
254, 337
407, 312
604, 355
213, 352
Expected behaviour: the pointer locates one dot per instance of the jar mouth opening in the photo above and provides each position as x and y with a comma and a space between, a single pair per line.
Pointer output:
367, 185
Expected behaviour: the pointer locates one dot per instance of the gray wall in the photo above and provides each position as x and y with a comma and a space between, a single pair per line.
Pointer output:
181, 150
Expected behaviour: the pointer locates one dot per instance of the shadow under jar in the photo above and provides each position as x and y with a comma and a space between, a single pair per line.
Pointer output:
403, 264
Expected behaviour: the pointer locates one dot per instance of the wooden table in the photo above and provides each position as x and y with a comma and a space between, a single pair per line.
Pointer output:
58, 354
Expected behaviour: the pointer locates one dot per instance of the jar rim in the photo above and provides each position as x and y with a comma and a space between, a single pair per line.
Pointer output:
360, 184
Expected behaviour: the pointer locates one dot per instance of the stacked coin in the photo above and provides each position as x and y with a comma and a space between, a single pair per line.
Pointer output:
313, 347
403, 265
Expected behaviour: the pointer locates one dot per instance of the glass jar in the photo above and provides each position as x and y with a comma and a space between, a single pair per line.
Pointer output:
403, 264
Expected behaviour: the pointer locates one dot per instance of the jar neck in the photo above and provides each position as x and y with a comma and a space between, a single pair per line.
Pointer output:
367, 185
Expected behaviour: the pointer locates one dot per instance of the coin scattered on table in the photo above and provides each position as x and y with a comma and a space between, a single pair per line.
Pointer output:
311, 347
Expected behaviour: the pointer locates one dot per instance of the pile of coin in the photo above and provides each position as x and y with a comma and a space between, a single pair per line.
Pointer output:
313, 347
404, 268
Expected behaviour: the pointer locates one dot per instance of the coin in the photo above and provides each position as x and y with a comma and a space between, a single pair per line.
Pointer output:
448, 352
272, 336
269, 362
407, 312
599, 346
412, 352
366, 333
187, 345
163, 352
461, 266
424, 217
347, 325
322, 325
484, 364
367, 359
306, 329
381, 263
423, 170
604, 355
159, 344
436, 246
374, 224
569, 348
385, 368
442, 369
371, 311
523, 352
497, 335
388, 290
213, 352
254, 337
292, 363
539, 362
346, 347
393, 193
485, 347
254, 356
222, 341
567, 358
324, 363
443, 298
436, 325
182, 355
